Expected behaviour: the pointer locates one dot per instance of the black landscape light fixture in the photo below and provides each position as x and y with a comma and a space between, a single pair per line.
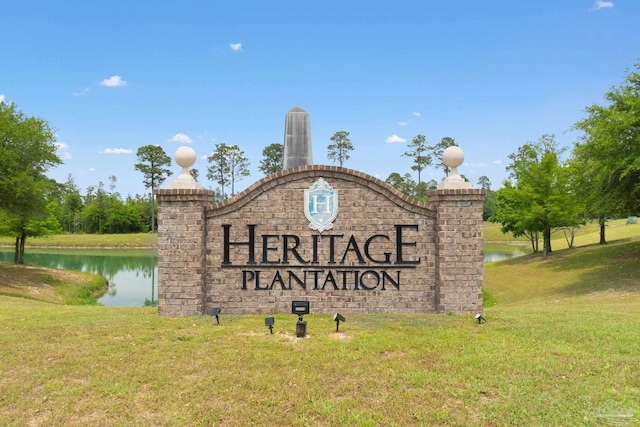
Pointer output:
300, 308
216, 312
268, 322
480, 319
338, 318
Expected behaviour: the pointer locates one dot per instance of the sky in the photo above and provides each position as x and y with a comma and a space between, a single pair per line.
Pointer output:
114, 76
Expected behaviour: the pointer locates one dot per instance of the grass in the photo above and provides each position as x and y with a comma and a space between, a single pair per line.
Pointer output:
51, 285
560, 348
105, 241
538, 365
586, 234
586, 269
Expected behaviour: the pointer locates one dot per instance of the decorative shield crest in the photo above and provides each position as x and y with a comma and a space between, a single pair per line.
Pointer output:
321, 205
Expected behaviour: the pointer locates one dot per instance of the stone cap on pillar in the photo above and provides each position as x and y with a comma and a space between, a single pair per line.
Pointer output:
185, 157
453, 157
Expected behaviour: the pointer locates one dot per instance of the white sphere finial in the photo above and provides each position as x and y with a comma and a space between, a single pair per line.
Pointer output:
453, 157
185, 157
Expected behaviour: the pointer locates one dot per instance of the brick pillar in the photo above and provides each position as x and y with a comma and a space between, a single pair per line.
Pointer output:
459, 254
181, 251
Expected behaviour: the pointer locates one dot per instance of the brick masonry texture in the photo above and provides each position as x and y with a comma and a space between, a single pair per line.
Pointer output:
348, 272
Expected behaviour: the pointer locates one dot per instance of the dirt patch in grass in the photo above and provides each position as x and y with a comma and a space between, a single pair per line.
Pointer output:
340, 336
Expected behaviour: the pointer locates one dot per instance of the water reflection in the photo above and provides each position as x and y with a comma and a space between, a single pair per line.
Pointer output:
500, 251
132, 274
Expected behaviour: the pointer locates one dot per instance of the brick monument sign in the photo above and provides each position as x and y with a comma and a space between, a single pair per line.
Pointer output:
338, 238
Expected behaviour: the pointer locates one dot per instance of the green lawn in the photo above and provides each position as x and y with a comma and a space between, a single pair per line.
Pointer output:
560, 348
138, 240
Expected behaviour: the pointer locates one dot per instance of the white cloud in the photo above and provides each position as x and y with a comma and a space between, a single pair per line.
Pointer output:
1, 97
116, 151
236, 47
63, 146
403, 123
395, 139
602, 5
113, 81
416, 114
181, 138
497, 162
91, 169
83, 92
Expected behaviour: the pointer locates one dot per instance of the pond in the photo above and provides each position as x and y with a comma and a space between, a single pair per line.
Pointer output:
132, 274
500, 251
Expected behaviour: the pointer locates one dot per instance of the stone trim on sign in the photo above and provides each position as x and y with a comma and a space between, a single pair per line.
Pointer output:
327, 172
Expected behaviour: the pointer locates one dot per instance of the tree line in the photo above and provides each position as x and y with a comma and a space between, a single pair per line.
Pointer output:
32, 205
600, 179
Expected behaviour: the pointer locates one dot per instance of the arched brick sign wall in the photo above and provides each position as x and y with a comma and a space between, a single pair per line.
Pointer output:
256, 252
